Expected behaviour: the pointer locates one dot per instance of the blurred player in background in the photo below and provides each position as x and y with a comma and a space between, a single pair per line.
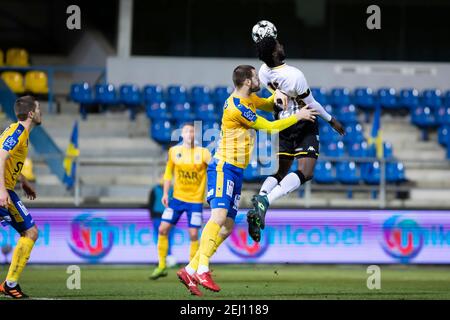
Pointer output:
187, 163
225, 172
13, 152
300, 141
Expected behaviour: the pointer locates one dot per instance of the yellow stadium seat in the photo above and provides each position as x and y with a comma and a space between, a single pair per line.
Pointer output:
1, 58
36, 82
17, 57
14, 80
27, 170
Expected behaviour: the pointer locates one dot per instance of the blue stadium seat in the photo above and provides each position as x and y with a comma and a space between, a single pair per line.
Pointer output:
347, 173
182, 112
161, 131
357, 149
409, 98
388, 151
364, 98
334, 149
320, 94
324, 173
176, 94
387, 98
153, 93
158, 111
130, 94
395, 172
423, 117
347, 114
431, 98
221, 94
443, 115
81, 93
371, 173
251, 172
339, 97
200, 94
447, 99
207, 112
353, 133
444, 135
106, 94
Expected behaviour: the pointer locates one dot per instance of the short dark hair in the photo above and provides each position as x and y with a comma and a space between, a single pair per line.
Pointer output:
242, 73
265, 49
23, 106
188, 123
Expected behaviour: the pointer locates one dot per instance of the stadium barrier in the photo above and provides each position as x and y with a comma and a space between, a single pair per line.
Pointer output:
86, 236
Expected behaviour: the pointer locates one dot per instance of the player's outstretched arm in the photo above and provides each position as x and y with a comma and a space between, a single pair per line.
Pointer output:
306, 113
168, 173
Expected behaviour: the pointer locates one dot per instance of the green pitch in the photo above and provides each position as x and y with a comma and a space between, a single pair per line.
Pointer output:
241, 282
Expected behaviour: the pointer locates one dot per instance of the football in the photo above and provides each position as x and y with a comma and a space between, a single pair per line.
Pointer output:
263, 29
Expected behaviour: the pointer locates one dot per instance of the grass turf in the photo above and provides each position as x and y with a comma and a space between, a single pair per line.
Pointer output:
241, 282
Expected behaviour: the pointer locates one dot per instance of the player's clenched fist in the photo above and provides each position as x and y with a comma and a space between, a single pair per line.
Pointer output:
306, 113
4, 198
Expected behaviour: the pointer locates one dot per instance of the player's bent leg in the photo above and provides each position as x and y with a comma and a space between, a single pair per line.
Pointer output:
163, 249
19, 260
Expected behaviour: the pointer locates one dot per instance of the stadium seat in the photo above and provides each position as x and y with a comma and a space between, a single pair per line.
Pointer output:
14, 81
371, 173
17, 57
158, 111
327, 133
431, 98
447, 99
347, 173
182, 112
444, 135
207, 112
320, 94
106, 94
81, 93
251, 172
388, 150
395, 172
153, 93
423, 117
334, 149
357, 149
443, 115
387, 98
339, 97
324, 173
200, 94
409, 98
130, 94
364, 98
36, 82
161, 131
221, 94
347, 114
176, 94
353, 133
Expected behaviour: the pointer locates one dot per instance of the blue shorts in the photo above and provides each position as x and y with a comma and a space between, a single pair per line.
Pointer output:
176, 208
224, 186
16, 215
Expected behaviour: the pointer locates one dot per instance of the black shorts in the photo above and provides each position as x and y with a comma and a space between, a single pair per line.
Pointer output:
300, 141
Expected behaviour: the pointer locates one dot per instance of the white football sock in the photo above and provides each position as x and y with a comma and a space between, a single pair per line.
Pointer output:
289, 183
268, 185
202, 269
189, 270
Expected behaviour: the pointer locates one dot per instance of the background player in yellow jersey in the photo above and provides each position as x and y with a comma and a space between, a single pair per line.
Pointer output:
13, 152
187, 163
225, 171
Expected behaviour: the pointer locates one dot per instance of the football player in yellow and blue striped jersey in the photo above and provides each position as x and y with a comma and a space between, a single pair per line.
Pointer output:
13, 153
187, 164
225, 171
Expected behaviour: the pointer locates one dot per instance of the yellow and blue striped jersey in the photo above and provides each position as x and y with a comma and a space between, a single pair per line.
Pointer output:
14, 140
239, 115
188, 167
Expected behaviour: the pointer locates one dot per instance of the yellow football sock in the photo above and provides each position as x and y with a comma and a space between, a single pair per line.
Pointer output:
20, 258
163, 249
208, 242
195, 260
193, 250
